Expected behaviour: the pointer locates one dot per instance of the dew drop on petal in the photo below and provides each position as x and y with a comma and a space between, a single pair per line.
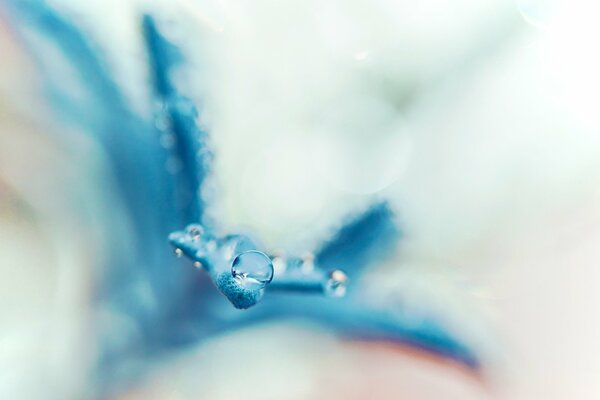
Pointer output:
195, 232
197, 264
252, 269
178, 252
336, 284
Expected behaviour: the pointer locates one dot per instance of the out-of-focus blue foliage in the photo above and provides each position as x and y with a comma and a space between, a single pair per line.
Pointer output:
361, 240
184, 308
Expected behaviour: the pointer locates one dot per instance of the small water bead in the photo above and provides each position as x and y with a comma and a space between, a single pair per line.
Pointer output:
252, 269
336, 284
197, 264
194, 232
178, 252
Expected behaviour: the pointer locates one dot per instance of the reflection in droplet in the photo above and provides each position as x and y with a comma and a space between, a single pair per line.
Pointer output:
336, 284
252, 269
197, 264
178, 252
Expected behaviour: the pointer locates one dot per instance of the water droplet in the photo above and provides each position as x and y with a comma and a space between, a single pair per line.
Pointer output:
197, 264
195, 232
178, 252
252, 269
336, 284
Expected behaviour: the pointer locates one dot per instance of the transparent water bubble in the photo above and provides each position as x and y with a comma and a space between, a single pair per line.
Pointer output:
252, 269
178, 252
336, 284
194, 232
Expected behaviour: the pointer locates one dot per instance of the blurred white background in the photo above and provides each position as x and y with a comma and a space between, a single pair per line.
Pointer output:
478, 120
